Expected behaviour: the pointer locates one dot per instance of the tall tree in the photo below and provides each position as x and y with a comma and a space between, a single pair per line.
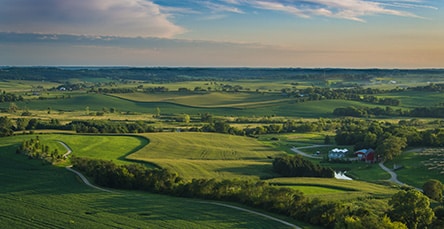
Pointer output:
411, 208
391, 147
433, 189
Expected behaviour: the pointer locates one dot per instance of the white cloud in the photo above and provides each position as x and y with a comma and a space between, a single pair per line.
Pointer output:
345, 9
126, 18
215, 7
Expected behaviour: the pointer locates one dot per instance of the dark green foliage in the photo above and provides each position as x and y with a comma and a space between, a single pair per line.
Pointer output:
6, 127
433, 189
387, 138
9, 97
34, 149
439, 218
411, 208
297, 166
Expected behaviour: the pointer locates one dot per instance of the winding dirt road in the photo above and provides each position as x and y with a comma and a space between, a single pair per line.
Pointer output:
86, 181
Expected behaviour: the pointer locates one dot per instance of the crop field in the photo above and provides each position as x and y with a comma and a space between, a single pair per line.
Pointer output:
24, 85
271, 105
208, 155
42, 196
335, 189
412, 99
208, 100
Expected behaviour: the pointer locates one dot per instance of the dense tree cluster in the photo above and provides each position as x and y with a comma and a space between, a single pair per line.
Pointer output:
257, 194
387, 138
412, 208
432, 87
98, 126
355, 94
6, 127
433, 189
368, 111
297, 166
429, 112
34, 149
9, 97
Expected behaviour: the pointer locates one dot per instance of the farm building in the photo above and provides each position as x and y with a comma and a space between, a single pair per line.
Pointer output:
337, 153
367, 155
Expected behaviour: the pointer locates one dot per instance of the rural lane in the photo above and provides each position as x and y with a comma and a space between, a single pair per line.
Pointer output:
298, 151
86, 181
393, 175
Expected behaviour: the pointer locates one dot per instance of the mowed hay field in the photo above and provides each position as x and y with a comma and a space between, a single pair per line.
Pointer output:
106, 147
33, 195
208, 155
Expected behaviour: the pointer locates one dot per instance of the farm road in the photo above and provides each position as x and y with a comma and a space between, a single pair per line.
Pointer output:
298, 151
86, 181
393, 175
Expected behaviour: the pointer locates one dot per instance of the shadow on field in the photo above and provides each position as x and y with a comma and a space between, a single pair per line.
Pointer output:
143, 142
263, 171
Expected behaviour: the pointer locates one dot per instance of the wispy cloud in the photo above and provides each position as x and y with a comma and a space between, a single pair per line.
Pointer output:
217, 7
355, 10
126, 18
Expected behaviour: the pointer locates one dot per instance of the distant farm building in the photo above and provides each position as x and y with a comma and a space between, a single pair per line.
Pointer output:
337, 153
367, 155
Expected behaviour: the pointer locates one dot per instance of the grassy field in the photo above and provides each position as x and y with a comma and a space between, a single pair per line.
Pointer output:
257, 105
418, 166
208, 155
334, 189
43, 196
106, 147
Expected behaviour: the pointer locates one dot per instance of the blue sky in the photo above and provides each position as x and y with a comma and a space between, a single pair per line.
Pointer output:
253, 33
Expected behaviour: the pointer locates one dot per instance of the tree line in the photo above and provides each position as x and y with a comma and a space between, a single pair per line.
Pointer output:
297, 166
34, 149
425, 112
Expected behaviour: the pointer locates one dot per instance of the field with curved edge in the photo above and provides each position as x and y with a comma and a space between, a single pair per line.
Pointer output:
106, 147
43, 196
208, 155
208, 100
217, 104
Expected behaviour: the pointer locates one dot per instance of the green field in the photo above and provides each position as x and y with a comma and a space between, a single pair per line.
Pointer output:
257, 105
419, 165
106, 147
42, 196
208, 155
336, 190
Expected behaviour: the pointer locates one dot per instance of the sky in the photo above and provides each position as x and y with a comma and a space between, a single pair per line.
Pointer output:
223, 33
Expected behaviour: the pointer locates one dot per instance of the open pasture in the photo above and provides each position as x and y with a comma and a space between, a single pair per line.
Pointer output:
208, 155
42, 196
419, 165
106, 147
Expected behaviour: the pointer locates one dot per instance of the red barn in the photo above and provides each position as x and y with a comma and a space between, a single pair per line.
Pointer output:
367, 155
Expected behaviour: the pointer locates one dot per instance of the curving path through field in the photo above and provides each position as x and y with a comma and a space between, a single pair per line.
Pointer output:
86, 181
298, 151
393, 175
68, 150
